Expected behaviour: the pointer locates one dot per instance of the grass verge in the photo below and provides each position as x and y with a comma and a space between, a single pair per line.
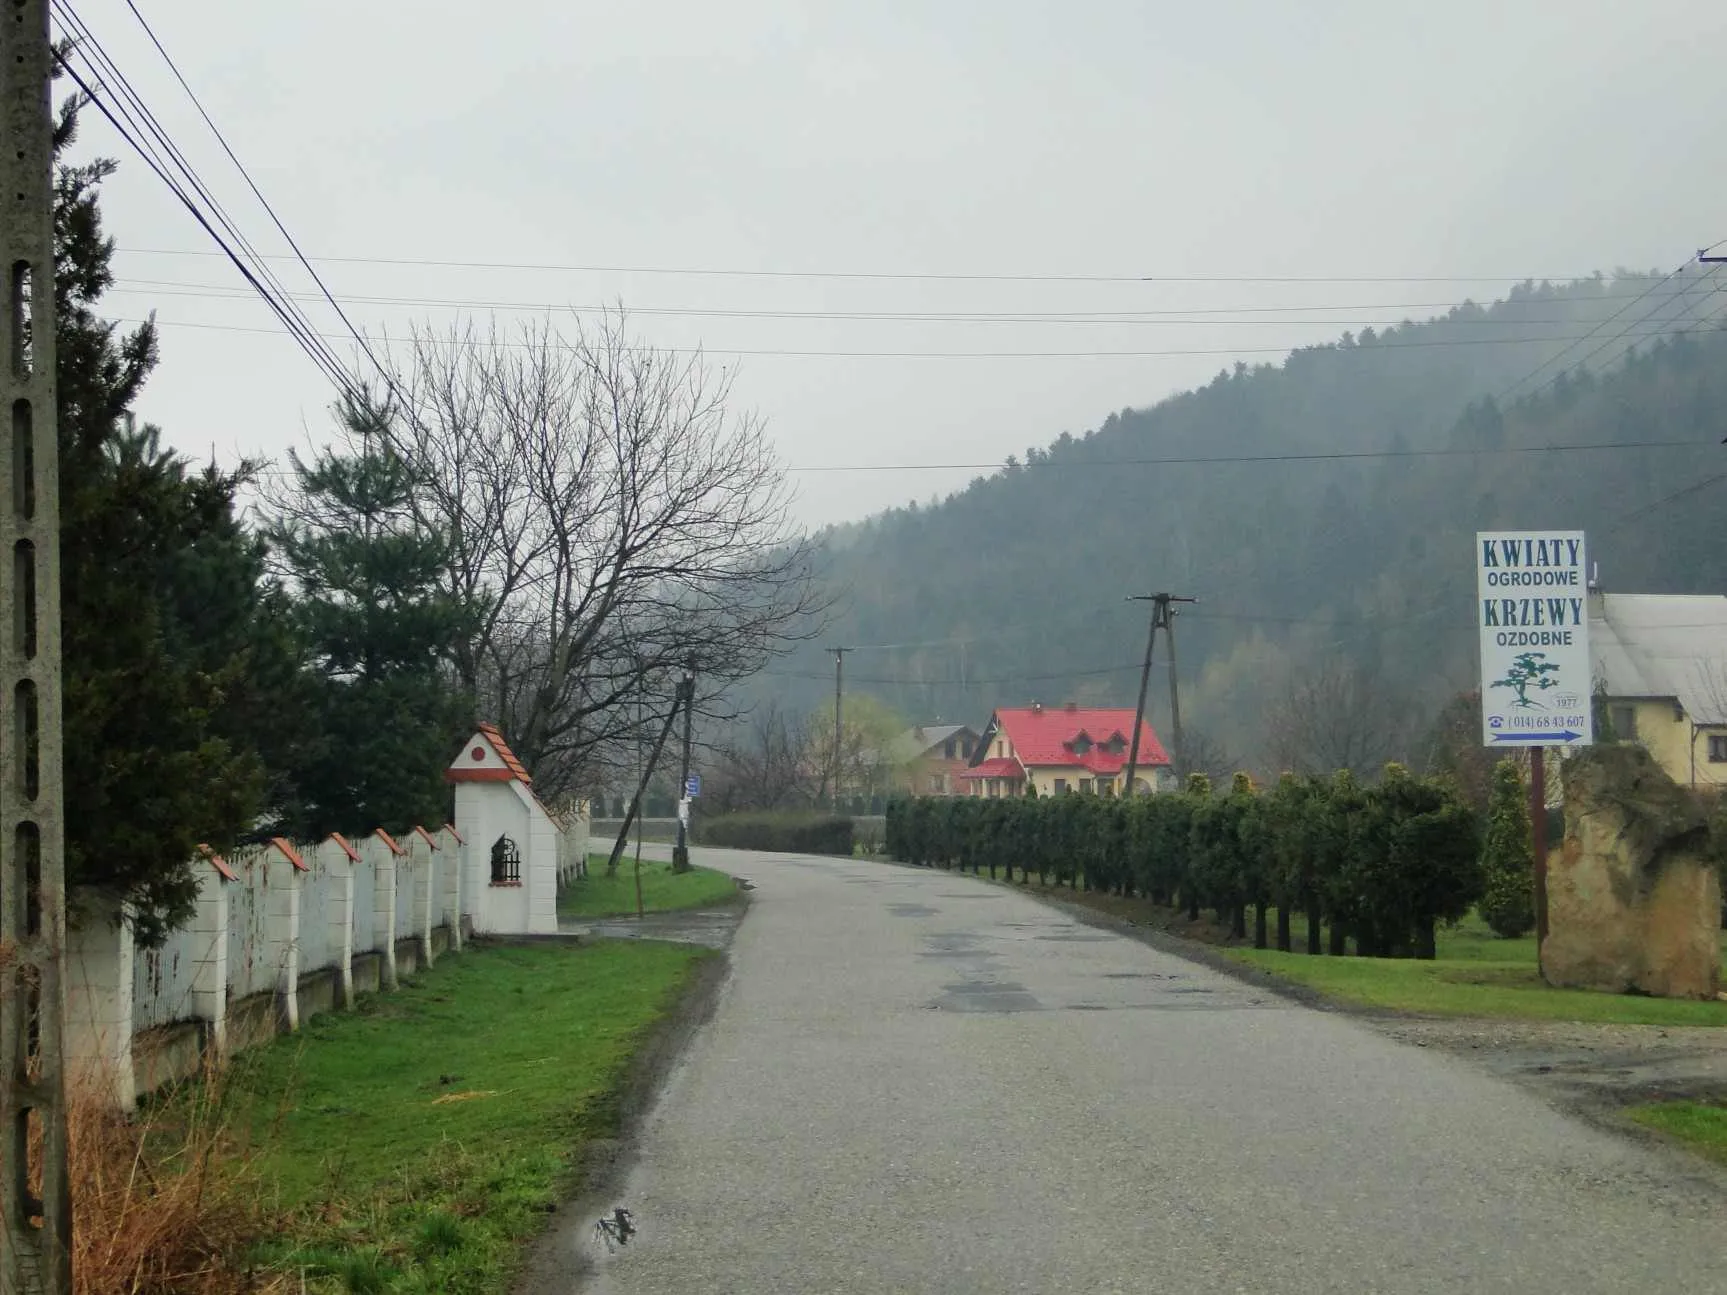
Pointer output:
1702, 1126
663, 890
415, 1143
1476, 974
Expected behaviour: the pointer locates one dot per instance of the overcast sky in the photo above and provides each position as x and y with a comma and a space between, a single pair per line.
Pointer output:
1127, 139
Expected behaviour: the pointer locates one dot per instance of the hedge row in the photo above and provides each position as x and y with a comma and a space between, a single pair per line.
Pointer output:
1383, 865
789, 833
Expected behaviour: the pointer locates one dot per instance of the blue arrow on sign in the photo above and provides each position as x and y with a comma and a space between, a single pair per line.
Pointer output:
1543, 738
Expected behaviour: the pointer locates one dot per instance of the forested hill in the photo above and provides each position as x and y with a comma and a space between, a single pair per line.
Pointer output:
1013, 589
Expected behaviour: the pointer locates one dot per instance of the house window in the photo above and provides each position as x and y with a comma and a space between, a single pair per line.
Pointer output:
1000, 748
1080, 745
1624, 720
965, 748
506, 863
1085, 786
937, 783
995, 787
1718, 748
947, 749
1061, 786
1115, 746
1106, 786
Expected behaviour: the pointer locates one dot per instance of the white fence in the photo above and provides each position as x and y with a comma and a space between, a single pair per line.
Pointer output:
280, 932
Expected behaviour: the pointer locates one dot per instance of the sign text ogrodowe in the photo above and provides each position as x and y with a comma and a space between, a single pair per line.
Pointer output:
1532, 607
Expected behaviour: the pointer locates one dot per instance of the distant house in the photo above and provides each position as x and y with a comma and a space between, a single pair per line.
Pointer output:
1661, 662
931, 759
1062, 749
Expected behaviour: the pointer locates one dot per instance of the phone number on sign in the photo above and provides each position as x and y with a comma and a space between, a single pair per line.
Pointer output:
1528, 723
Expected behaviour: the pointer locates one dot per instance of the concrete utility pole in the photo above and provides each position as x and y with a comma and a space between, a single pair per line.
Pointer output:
1162, 617
839, 693
35, 1234
686, 804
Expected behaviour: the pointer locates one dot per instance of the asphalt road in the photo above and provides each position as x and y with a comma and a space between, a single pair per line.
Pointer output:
914, 1081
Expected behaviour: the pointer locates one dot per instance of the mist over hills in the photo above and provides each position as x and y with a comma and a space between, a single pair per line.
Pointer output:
1322, 510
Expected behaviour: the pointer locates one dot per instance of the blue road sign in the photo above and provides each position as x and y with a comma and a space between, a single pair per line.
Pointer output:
693, 786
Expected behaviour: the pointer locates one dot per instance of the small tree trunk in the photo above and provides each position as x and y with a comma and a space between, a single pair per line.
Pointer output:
1339, 938
1192, 904
1426, 940
1284, 941
1259, 937
1238, 922
1313, 925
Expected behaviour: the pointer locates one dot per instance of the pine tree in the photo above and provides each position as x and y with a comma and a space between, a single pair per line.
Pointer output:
168, 657
383, 633
1508, 856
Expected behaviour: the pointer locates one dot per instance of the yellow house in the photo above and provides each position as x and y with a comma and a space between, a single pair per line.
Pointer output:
1661, 661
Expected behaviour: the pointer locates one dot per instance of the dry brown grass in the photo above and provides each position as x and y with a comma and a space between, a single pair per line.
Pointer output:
164, 1201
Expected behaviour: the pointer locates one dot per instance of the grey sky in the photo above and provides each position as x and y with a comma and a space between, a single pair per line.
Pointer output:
1013, 137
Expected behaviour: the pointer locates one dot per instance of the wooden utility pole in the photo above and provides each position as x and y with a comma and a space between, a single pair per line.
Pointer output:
35, 1232
839, 693
1162, 617
1538, 841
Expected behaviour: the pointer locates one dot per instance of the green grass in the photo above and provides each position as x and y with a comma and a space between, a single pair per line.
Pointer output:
1701, 1126
663, 890
416, 1142
1475, 974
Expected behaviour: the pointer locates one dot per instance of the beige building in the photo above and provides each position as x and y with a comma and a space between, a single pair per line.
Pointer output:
1661, 661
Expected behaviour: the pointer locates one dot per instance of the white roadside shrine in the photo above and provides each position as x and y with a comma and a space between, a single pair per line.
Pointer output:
509, 841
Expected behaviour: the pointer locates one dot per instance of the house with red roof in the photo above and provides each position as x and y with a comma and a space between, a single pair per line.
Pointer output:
1062, 749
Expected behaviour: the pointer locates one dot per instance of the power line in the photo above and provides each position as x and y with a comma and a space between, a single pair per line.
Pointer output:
1375, 348
1230, 315
256, 193
132, 119
905, 276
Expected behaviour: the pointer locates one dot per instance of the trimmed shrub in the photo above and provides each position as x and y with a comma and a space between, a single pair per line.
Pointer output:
1508, 856
780, 833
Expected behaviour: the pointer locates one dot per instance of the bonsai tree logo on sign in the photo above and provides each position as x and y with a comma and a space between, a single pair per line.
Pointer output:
1529, 670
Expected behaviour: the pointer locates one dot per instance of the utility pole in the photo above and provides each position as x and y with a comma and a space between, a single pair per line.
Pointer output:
35, 1234
686, 804
839, 692
1162, 617
641, 791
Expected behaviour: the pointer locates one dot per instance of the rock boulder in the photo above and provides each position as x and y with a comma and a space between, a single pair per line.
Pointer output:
1633, 901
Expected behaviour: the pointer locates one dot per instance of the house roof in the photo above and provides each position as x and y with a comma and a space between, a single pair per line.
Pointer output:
915, 742
996, 767
1663, 645
1042, 736
487, 758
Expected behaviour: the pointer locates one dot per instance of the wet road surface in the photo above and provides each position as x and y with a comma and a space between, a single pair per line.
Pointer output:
915, 1081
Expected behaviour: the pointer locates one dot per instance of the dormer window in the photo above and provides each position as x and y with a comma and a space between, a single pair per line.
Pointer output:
1080, 745
1115, 745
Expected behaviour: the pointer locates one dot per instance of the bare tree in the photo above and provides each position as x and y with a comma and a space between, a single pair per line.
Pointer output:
1337, 715
767, 765
614, 521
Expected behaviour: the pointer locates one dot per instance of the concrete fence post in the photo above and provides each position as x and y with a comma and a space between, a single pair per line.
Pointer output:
337, 859
100, 960
210, 953
424, 851
285, 866
384, 852
450, 848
